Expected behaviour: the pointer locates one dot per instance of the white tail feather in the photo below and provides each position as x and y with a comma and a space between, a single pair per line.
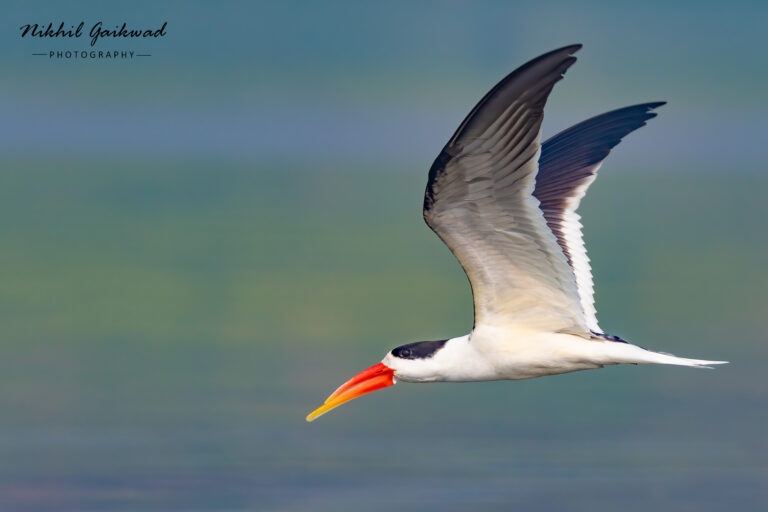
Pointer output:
628, 353
662, 358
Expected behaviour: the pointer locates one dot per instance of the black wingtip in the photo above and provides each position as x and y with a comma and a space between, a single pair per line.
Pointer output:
572, 152
650, 107
646, 108
573, 47
540, 73
565, 50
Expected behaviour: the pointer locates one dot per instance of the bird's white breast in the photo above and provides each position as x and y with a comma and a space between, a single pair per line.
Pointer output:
503, 353
520, 353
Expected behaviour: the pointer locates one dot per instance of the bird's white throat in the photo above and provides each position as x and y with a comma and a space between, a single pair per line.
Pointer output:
457, 361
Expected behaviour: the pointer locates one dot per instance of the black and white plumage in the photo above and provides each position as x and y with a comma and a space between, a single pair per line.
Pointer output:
567, 167
505, 204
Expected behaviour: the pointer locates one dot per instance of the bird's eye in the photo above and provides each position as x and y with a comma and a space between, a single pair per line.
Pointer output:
405, 353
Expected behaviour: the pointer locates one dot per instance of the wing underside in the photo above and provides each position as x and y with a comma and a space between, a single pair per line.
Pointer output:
479, 201
568, 165
505, 204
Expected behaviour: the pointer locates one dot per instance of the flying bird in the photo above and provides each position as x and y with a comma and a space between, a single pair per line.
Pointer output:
505, 204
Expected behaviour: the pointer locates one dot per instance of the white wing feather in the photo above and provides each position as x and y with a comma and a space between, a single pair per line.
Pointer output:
480, 202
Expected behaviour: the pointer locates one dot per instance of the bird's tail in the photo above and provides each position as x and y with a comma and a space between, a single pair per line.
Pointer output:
637, 355
662, 358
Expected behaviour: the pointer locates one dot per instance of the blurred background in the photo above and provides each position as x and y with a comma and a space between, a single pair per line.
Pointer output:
200, 245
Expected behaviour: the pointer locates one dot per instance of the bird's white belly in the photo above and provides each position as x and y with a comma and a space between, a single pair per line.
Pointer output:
519, 354
511, 353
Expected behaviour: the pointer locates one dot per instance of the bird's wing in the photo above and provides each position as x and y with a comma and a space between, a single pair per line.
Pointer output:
568, 165
479, 202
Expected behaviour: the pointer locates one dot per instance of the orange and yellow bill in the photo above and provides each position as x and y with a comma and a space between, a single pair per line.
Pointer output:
376, 377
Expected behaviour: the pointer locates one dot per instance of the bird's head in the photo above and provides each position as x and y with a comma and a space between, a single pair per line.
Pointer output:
414, 362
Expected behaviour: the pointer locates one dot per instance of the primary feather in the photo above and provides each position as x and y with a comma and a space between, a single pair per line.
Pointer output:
567, 167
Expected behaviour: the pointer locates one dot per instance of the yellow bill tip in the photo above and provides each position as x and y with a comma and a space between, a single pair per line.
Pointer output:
320, 411
376, 377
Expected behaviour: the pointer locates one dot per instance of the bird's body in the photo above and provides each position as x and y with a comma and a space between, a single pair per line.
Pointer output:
503, 353
505, 205
514, 353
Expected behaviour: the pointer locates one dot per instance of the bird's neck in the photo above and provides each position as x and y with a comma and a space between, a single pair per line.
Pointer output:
461, 361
